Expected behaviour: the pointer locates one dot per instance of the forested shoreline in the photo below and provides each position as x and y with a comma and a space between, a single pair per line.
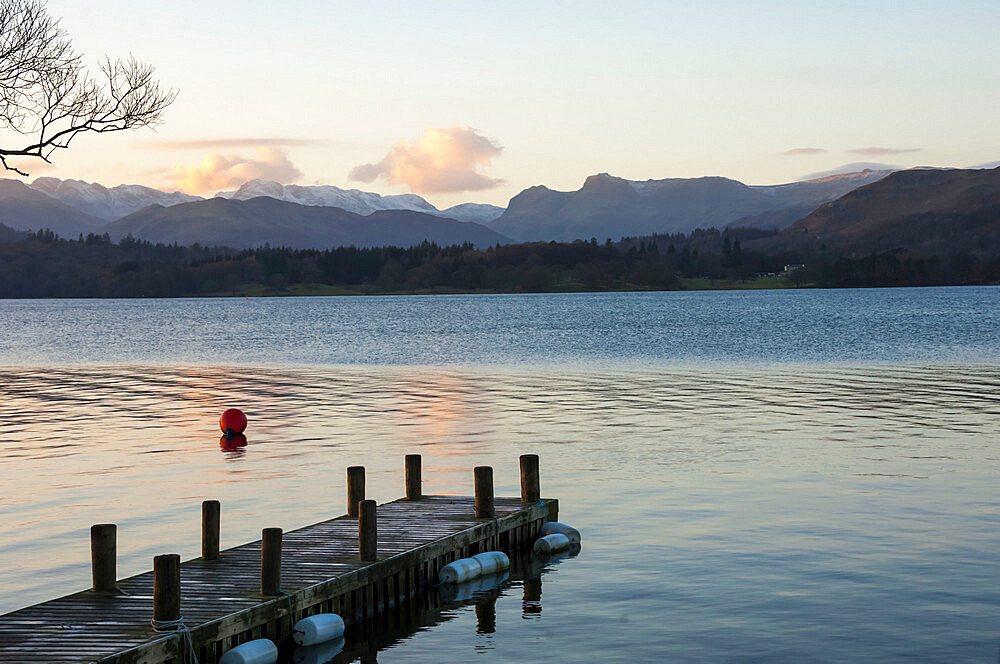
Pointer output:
41, 265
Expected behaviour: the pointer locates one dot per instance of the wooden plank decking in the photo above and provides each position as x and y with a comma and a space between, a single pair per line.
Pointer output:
320, 571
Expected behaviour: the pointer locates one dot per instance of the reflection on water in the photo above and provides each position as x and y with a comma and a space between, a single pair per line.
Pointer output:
859, 326
471, 605
789, 514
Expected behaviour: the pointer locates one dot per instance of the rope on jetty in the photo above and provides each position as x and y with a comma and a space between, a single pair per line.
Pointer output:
291, 618
178, 627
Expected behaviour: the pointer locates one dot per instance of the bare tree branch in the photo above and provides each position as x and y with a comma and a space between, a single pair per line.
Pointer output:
49, 98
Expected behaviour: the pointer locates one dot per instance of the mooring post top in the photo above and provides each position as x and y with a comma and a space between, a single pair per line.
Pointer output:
167, 558
367, 530
210, 502
103, 526
355, 488
530, 491
413, 481
271, 532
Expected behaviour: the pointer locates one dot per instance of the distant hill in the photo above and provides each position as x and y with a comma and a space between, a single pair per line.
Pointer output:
930, 211
23, 208
481, 213
608, 206
254, 222
8, 234
111, 203
357, 201
107, 203
795, 200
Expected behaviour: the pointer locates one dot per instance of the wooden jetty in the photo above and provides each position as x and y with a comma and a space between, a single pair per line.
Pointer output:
373, 562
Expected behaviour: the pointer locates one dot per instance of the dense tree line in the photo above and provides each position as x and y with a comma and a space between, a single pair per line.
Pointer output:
45, 265
900, 269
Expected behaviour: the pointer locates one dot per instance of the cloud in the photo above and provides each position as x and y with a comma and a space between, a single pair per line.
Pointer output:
876, 151
794, 152
30, 166
443, 160
218, 171
854, 167
224, 143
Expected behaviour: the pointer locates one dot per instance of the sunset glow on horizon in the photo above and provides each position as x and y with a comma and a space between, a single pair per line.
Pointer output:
547, 94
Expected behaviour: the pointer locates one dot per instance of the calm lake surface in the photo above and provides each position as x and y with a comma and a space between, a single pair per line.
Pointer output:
759, 476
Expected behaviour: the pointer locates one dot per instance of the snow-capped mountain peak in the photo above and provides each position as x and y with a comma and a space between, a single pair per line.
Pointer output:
357, 201
104, 202
352, 200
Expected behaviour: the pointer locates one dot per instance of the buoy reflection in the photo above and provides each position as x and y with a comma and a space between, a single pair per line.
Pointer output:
232, 443
461, 592
319, 653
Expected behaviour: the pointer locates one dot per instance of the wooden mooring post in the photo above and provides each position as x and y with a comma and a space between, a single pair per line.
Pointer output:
484, 492
355, 489
211, 511
270, 561
530, 490
166, 591
104, 557
413, 488
363, 566
367, 530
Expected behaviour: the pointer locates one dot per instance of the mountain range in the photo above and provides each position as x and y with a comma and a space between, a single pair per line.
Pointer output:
107, 203
357, 201
608, 206
308, 217
23, 208
264, 220
117, 202
928, 211
862, 211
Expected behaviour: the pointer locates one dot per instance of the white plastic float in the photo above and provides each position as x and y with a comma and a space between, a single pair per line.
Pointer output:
491, 562
553, 527
467, 569
320, 653
319, 628
550, 544
258, 651
460, 571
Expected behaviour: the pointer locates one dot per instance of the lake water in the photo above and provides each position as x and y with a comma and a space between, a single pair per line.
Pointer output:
761, 476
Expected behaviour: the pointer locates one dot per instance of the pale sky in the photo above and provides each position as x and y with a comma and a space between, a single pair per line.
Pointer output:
555, 91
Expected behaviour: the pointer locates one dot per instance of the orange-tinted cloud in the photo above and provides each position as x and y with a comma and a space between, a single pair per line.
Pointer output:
218, 171
443, 160
794, 152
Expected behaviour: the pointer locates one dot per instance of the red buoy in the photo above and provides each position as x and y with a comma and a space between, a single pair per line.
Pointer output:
233, 421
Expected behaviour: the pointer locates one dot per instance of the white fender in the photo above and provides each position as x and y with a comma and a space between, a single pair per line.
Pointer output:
319, 628
258, 651
460, 571
492, 562
550, 544
555, 527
